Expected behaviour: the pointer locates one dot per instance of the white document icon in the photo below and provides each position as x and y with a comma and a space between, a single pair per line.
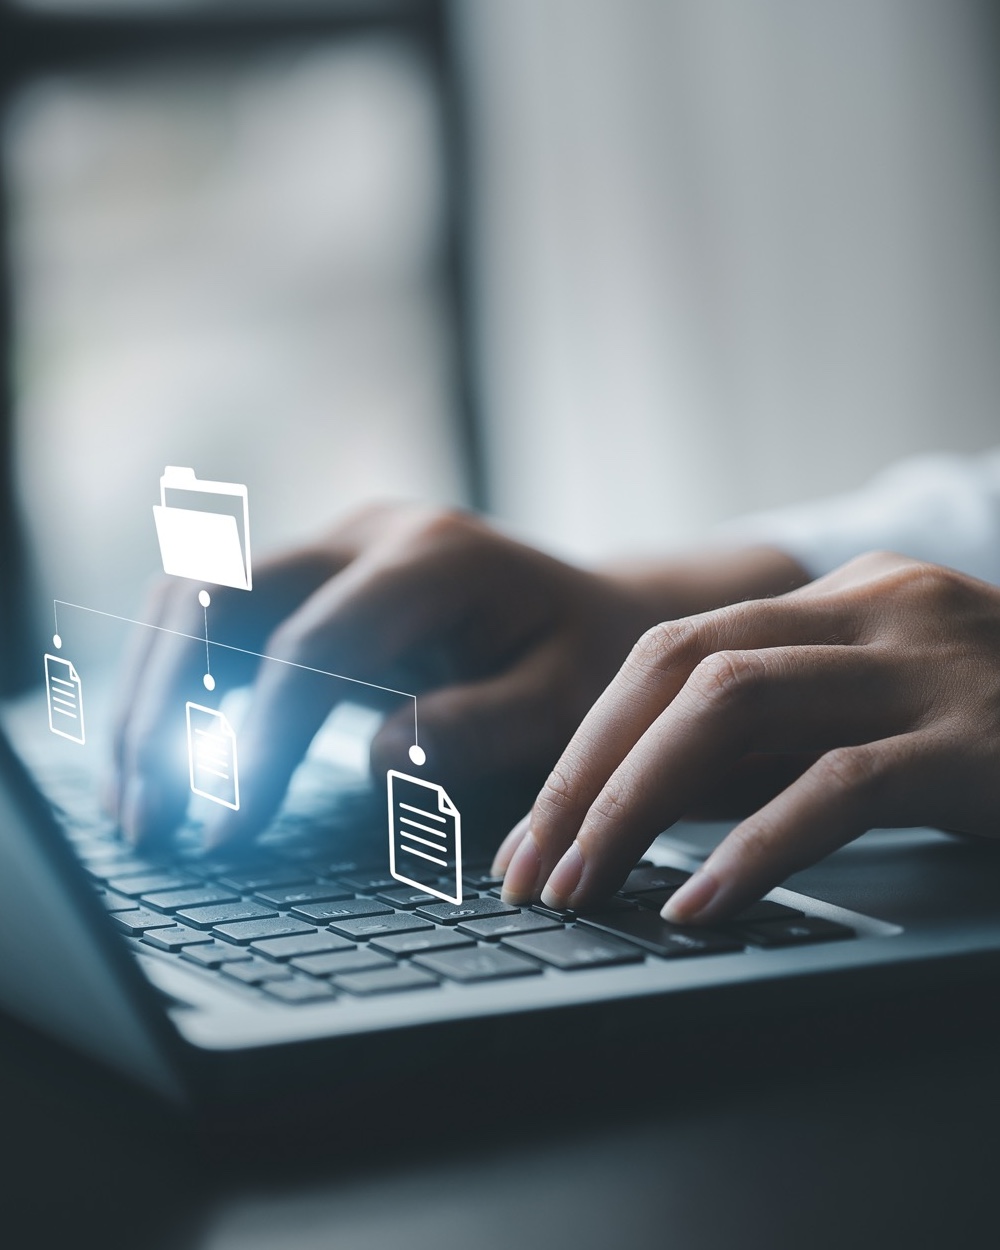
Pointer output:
204, 529
212, 756
425, 837
64, 691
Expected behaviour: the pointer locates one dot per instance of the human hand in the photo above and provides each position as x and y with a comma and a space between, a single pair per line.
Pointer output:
884, 676
507, 648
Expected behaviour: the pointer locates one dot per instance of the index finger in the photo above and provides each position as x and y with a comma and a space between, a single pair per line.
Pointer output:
168, 670
652, 676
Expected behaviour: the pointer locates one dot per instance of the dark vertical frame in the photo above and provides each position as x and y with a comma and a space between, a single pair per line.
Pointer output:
34, 43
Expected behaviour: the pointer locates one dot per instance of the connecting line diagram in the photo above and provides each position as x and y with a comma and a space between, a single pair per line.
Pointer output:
225, 646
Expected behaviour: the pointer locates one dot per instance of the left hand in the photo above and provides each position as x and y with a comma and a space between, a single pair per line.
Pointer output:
883, 678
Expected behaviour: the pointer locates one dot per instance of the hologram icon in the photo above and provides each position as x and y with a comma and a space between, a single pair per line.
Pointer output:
64, 691
425, 837
204, 529
212, 762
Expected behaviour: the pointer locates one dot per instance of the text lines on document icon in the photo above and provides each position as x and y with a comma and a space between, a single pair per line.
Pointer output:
64, 692
425, 837
212, 756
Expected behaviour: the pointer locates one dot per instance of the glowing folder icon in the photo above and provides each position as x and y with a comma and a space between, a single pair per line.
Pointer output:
425, 837
204, 529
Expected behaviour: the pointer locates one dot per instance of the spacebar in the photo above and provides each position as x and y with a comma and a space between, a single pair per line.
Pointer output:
646, 929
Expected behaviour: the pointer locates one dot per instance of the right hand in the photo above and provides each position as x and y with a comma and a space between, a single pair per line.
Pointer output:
507, 648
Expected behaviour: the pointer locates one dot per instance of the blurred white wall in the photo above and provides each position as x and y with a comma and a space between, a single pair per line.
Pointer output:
232, 265
731, 254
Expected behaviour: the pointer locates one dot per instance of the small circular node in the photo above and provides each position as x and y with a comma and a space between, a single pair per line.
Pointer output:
208, 681
204, 598
56, 641
417, 755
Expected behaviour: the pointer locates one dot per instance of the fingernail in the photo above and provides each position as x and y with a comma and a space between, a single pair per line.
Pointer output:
505, 852
691, 899
521, 879
564, 879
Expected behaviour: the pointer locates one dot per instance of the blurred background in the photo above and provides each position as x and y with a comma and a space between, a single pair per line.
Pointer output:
612, 270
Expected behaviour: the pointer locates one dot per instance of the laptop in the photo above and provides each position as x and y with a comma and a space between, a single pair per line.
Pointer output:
229, 985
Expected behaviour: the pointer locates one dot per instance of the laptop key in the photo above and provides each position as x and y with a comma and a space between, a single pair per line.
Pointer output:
406, 897
553, 913
795, 932
453, 913
612, 904
669, 941
369, 883
649, 877
254, 971
572, 949
223, 913
480, 963
766, 910
174, 938
365, 927
290, 895
195, 896
481, 880
137, 922
493, 928
133, 886
385, 981
263, 879
406, 944
361, 959
214, 954
243, 932
298, 991
324, 913
282, 948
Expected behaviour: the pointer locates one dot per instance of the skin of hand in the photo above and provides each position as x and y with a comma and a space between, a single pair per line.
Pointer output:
877, 688
506, 647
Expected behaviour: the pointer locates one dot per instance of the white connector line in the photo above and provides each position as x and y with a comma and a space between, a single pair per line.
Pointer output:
226, 646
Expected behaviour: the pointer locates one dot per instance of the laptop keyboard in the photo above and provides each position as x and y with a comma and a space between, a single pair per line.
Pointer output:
310, 930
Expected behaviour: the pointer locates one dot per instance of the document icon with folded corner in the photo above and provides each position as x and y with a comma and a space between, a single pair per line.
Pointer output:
204, 529
212, 759
64, 692
425, 837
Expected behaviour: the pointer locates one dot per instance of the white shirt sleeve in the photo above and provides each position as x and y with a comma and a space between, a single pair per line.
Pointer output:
941, 508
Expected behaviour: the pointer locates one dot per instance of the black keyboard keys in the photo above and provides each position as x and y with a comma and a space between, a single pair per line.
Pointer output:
478, 963
133, 885
365, 927
135, 923
325, 913
298, 991
453, 913
386, 981
191, 896
223, 913
575, 948
255, 971
293, 895
493, 928
334, 963
174, 937
243, 932
214, 954
647, 930
406, 944
794, 932
282, 948
649, 877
